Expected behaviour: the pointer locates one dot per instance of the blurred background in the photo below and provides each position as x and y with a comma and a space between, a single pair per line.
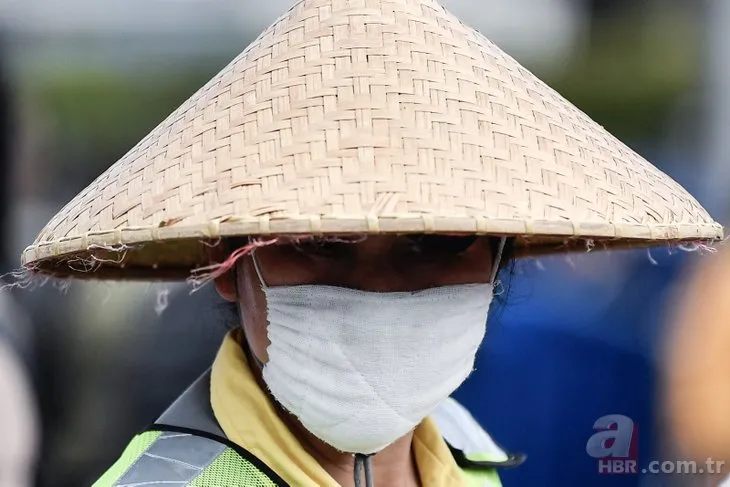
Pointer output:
576, 338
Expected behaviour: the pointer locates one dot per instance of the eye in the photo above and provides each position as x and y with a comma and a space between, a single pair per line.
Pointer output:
322, 248
440, 245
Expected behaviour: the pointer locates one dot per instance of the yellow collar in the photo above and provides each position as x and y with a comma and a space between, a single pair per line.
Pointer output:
249, 419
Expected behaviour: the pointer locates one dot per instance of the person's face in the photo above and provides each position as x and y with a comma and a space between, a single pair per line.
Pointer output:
378, 264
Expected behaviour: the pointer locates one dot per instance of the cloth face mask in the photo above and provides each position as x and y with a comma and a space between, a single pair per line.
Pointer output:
361, 369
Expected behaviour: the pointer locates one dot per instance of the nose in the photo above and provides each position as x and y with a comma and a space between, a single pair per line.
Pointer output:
377, 266
378, 275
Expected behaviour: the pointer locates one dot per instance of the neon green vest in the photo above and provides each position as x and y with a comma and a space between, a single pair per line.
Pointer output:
187, 448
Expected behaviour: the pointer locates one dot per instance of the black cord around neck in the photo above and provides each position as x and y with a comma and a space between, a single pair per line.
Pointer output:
363, 464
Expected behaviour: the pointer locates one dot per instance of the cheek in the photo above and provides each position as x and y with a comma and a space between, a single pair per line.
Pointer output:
284, 266
257, 338
476, 265
255, 323
255, 326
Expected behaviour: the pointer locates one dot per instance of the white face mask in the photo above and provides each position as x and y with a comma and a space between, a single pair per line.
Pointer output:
362, 369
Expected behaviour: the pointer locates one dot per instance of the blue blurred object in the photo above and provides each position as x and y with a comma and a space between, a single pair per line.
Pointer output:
572, 345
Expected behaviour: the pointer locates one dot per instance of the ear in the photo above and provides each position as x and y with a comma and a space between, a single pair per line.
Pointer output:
223, 284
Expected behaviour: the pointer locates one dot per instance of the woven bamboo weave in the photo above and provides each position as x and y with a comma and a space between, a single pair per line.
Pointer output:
366, 116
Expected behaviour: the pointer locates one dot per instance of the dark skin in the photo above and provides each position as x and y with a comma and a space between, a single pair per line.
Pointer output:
377, 264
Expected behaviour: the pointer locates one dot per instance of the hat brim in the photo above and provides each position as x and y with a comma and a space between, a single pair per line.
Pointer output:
173, 252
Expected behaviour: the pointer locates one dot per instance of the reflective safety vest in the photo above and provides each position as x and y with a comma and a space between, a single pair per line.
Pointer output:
187, 448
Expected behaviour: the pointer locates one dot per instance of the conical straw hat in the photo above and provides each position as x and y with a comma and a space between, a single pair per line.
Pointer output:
366, 116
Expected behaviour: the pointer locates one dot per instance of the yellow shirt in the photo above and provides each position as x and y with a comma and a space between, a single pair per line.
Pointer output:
249, 419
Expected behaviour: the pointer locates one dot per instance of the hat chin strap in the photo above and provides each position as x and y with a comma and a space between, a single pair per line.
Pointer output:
258, 270
498, 259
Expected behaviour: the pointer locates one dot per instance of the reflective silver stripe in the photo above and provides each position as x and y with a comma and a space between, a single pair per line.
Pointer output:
174, 459
462, 431
192, 409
